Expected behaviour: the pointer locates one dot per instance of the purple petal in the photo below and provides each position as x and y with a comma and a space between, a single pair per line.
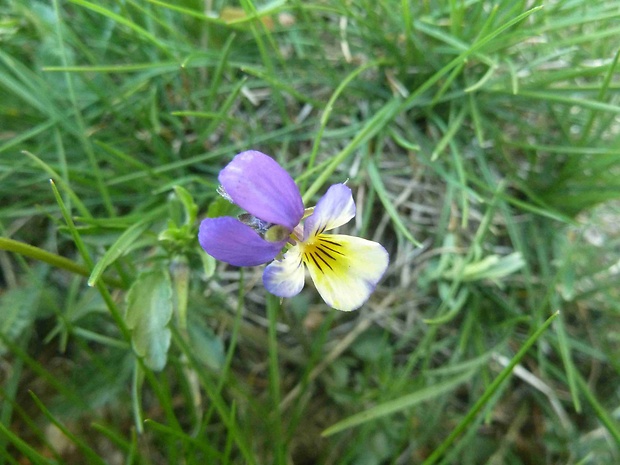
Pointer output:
259, 185
334, 209
231, 241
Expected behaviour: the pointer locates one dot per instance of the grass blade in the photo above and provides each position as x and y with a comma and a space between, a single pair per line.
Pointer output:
399, 404
488, 393
601, 413
116, 250
89, 453
375, 178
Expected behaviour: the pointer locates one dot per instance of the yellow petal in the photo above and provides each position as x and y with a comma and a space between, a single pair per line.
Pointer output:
345, 269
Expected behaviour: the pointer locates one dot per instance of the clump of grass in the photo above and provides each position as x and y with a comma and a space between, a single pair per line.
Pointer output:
479, 141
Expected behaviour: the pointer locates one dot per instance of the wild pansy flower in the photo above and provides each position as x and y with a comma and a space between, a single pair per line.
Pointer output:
345, 269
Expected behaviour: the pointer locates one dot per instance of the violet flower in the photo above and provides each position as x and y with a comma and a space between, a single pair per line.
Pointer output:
345, 269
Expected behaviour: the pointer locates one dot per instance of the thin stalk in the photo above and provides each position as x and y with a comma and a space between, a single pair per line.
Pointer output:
57, 261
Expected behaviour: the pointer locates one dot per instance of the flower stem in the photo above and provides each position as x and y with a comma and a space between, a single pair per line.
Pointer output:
50, 258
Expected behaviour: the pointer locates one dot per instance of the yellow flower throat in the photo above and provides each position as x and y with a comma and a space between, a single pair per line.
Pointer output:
321, 252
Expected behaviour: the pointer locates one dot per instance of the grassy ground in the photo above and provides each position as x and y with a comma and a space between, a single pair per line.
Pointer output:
481, 141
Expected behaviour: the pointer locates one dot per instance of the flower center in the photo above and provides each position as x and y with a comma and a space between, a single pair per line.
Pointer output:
322, 252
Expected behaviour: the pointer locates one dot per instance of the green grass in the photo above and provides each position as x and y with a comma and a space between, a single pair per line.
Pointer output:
482, 143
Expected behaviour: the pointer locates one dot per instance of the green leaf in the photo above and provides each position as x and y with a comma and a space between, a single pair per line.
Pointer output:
207, 347
221, 207
149, 309
18, 308
191, 209
493, 267
116, 250
208, 263
371, 346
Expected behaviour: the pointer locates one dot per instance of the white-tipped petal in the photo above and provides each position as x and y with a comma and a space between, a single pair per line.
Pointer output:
285, 278
334, 209
345, 269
